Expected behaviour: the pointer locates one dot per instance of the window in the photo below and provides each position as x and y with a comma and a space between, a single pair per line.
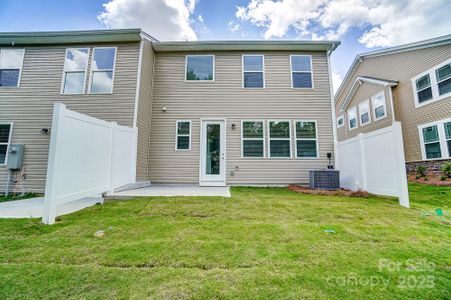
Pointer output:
183, 135
379, 107
432, 85
301, 71
279, 139
74, 75
102, 70
424, 88
436, 139
444, 79
11, 61
5, 141
200, 68
306, 139
447, 127
364, 112
252, 139
253, 71
352, 117
341, 121
431, 142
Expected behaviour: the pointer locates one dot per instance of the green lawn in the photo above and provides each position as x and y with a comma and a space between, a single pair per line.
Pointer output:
4, 198
261, 243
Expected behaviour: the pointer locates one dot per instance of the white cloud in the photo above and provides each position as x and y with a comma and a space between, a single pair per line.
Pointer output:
383, 22
163, 19
336, 80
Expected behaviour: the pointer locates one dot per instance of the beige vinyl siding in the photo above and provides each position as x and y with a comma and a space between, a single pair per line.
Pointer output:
144, 112
225, 98
30, 106
365, 92
402, 67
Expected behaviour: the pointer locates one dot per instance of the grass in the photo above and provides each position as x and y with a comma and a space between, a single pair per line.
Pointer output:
13, 197
266, 243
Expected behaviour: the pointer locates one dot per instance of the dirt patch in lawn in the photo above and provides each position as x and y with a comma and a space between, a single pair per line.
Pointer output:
340, 192
430, 179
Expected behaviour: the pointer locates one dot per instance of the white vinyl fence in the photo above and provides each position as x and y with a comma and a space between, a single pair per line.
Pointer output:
87, 157
374, 162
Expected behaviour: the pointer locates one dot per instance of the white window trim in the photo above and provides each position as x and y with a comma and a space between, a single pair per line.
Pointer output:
8, 144
252, 139
442, 139
20, 71
341, 117
177, 134
311, 73
64, 73
194, 55
296, 139
262, 71
279, 139
434, 85
356, 118
381, 93
361, 104
92, 71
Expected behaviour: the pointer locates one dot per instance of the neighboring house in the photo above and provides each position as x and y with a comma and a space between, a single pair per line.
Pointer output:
409, 83
209, 113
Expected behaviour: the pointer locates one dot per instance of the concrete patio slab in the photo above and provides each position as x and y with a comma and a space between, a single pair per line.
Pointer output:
171, 190
33, 208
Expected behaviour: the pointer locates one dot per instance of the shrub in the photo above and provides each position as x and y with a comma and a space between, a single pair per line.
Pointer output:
421, 170
443, 177
418, 177
446, 169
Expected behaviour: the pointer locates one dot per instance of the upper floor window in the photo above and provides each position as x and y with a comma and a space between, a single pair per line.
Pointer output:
432, 85
341, 121
279, 139
252, 138
200, 68
352, 117
11, 61
183, 135
364, 112
102, 70
5, 141
379, 106
301, 71
75, 67
253, 71
306, 139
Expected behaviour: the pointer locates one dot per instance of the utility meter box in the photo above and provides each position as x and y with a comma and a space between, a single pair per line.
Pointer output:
15, 156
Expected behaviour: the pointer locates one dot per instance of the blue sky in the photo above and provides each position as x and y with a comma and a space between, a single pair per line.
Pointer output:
361, 25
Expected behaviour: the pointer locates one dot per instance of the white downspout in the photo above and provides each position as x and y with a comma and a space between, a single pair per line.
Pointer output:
332, 104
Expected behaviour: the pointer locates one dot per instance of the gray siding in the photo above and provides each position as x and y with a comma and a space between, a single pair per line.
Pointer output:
226, 98
30, 106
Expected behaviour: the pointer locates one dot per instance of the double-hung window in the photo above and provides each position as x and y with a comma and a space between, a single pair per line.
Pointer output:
379, 106
447, 127
183, 135
75, 67
102, 70
340, 121
252, 138
11, 61
306, 139
5, 140
301, 71
352, 118
253, 71
431, 142
432, 85
200, 68
364, 112
279, 139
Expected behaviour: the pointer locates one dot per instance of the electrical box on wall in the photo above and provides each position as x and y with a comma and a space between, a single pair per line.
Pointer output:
15, 156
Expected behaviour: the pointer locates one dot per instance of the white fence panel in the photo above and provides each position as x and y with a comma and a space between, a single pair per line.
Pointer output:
87, 157
374, 162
